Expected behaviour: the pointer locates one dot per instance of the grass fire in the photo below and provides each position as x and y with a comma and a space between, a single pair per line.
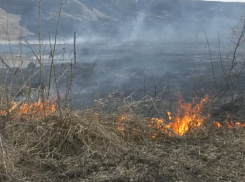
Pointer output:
37, 110
102, 142
188, 116
89, 94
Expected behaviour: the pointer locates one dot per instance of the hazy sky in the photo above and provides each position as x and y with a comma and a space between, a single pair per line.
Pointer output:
241, 1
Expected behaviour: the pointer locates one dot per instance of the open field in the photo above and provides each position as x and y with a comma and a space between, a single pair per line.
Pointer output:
115, 138
149, 91
138, 68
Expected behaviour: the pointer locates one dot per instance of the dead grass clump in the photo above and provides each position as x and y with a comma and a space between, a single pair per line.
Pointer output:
96, 146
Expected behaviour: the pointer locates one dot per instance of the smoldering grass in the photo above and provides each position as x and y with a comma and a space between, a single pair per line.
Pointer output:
113, 142
89, 145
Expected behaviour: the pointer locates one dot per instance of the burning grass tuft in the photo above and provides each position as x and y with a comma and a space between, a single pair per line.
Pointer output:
95, 145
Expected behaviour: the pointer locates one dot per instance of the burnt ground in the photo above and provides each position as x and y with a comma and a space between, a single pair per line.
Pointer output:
136, 69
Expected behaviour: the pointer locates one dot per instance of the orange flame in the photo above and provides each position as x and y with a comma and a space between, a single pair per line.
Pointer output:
5, 113
30, 111
188, 116
217, 124
230, 124
121, 125
37, 109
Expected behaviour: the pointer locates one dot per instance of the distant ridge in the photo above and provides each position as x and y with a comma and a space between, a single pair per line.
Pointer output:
117, 18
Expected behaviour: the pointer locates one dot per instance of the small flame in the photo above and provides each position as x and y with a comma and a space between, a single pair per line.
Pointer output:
217, 124
188, 116
229, 124
14, 106
3, 113
169, 115
121, 126
232, 124
154, 136
239, 125
30, 111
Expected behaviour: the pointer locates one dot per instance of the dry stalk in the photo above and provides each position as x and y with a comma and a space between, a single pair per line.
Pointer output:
4, 155
210, 56
53, 49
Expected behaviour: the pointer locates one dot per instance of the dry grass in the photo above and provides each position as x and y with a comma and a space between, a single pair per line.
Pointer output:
88, 146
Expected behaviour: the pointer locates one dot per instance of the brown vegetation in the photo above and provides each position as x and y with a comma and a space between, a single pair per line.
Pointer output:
89, 145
